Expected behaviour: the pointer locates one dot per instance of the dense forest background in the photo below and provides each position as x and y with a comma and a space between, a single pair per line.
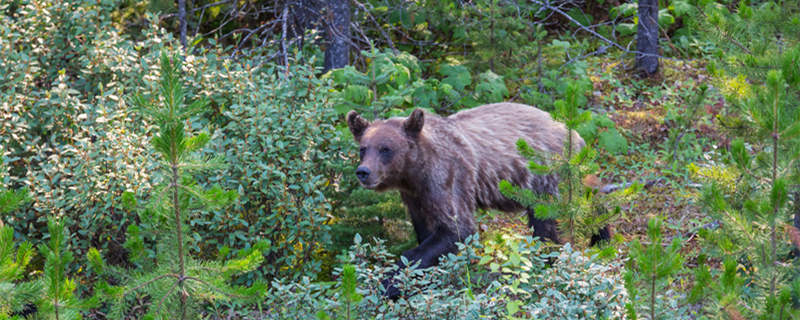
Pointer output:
189, 159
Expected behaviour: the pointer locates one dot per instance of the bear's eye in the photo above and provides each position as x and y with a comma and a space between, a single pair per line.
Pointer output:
385, 150
361, 152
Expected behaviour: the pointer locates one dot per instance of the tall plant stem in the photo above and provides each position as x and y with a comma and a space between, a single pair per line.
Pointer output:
569, 184
775, 137
653, 292
178, 222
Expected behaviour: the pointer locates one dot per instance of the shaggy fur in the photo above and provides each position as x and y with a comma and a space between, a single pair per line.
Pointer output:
446, 168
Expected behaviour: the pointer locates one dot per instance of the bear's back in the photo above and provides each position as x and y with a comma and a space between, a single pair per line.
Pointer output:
500, 125
489, 136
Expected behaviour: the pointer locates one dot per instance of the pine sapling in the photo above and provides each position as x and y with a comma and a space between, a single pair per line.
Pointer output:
175, 283
14, 258
574, 207
649, 270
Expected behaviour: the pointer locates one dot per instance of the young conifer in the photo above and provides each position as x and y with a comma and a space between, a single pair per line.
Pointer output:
574, 207
174, 284
759, 51
649, 270
14, 258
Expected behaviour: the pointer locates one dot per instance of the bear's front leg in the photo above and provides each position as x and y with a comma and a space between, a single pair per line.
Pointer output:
442, 241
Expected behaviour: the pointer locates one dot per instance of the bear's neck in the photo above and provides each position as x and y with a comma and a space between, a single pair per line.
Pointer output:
420, 176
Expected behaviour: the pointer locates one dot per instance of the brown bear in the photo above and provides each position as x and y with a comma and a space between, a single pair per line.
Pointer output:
446, 168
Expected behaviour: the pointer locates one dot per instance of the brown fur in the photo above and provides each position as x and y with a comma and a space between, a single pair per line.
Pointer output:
446, 168
455, 164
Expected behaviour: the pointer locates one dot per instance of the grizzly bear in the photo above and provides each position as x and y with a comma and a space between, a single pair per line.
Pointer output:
446, 168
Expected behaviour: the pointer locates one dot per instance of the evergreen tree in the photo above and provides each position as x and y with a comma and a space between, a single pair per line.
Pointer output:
51, 296
174, 284
575, 207
759, 54
649, 270
14, 295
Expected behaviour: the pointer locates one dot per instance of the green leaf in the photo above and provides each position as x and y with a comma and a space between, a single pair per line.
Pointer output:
582, 18
358, 94
681, 7
626, 29
624, 10
612, 141
457, 76
491, 87
513, 307
665, 18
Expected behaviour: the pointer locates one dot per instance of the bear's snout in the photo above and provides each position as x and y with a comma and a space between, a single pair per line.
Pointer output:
362, 173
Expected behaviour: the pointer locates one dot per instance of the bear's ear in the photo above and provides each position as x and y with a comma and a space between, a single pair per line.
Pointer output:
413, 124
357, 124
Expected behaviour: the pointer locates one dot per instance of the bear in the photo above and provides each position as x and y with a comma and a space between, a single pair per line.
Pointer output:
447, 167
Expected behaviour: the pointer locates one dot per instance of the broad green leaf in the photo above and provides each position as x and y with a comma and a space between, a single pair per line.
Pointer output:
612, 141
457, 76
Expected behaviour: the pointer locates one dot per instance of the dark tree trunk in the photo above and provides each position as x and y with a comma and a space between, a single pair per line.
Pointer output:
307, 14
647, 37
796, 221
338, 33
182, 19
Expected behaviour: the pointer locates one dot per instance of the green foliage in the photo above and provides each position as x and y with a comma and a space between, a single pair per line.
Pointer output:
679, 19
13, 261
649, 271
66, 133
287, 161
392, 83
59, 299
601, 129
517, 286
681, 121
53, 295
10, 200
373, 215
756, 45
84, 152
579, 214
174, 283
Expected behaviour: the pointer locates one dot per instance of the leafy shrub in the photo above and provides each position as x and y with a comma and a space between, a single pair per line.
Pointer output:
67, 134
516, 284
283, 153
71, 138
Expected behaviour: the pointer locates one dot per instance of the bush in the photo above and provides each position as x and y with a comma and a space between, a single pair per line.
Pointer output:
516, 284
280, 145
69, 136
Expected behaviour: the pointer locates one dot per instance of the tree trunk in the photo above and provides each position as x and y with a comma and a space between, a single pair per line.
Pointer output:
337, 54
647, 37
182, 19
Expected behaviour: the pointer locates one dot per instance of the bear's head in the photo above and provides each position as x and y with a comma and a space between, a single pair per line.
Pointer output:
388, 148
